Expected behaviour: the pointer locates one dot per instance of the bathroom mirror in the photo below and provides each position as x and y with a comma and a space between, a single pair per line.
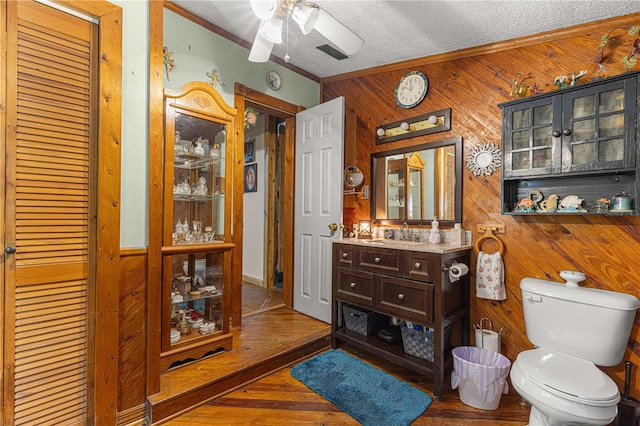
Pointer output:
415, 183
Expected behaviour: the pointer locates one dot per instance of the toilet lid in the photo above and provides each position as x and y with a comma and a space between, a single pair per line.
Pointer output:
569, 377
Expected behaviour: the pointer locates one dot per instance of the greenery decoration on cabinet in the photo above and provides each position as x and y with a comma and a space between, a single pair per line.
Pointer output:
577, 142
196, 248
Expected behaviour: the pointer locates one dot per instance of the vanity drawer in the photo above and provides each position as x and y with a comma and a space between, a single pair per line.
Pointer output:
355, 286
405, 299
344, 255
415, 265
383, 261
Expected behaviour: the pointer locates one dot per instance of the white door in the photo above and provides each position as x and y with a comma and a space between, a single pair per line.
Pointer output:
318, 204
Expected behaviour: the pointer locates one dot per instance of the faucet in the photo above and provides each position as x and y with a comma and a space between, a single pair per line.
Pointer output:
405, 231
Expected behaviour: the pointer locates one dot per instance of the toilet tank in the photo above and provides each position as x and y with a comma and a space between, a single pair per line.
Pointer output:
587, 323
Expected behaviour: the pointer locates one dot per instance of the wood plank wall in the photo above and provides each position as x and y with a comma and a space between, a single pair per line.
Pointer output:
472, 83
132, 311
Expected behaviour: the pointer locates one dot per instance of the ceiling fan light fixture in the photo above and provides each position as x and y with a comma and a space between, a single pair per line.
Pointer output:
271, 30
345, 39
261, 49
264, 9
305, 15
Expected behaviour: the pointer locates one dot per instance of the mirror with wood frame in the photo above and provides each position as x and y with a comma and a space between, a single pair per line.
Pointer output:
414, 184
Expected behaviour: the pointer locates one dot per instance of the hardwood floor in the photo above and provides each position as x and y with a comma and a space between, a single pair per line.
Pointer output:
276, 398
257, 299
279, 399
266, 342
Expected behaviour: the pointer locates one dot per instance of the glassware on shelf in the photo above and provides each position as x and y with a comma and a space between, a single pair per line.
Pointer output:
215, 152
199, 149
200, 188
208, 234
622, 202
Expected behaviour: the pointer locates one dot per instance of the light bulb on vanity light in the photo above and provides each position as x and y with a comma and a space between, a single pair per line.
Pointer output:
380, 132
433, 119
405, 126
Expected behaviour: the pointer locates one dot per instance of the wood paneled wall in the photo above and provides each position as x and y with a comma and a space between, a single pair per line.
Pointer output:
472, 83
132, 312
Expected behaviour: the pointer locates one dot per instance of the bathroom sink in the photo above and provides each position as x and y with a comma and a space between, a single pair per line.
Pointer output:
392, 243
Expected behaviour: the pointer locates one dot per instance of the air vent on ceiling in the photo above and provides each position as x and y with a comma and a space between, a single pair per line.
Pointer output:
333, 52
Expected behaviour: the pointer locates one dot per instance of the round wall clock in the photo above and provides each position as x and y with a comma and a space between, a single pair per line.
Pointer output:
411, 89
273, 80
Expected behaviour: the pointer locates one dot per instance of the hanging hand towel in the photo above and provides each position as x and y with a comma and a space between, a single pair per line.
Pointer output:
490, 277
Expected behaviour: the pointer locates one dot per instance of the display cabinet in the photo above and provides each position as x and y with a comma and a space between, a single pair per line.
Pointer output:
196, 248
580, 140
405, 187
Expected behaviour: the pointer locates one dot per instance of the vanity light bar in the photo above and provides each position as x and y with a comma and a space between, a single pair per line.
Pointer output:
438, 121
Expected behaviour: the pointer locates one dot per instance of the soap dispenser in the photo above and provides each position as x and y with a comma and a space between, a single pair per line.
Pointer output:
457, 235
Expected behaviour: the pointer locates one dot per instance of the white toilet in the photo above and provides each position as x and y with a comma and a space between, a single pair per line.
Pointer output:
574, 329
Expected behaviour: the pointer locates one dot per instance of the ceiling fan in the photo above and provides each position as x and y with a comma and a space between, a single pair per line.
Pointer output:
308, 16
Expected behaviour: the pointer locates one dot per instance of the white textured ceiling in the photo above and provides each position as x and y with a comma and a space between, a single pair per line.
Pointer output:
398, 30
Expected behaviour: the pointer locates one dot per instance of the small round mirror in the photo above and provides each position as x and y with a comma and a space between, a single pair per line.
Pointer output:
484, 159
353, 177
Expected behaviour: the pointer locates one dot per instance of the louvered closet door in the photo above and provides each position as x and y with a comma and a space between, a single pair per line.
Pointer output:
49, 217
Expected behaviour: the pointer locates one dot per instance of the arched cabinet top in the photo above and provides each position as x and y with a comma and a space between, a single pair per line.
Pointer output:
200, 97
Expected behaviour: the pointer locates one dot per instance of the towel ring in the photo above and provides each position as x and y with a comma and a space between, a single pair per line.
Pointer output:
489, 235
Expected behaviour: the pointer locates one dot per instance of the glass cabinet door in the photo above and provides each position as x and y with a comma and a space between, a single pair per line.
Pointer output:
531, 147
414, 208
198, 181
396, 192
595, 133
196, 307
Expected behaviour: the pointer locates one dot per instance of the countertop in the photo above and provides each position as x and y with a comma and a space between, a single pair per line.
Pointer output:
403, 245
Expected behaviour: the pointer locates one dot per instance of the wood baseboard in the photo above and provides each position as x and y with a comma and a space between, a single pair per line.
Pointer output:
254, 281
134, 416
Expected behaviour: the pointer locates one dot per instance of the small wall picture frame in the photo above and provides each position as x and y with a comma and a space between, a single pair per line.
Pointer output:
251, 178
249, 151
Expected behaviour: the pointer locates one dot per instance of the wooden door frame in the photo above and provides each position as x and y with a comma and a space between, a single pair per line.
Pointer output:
105, 346
287, 111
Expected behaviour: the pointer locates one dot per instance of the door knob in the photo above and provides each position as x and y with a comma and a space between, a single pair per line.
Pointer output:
333, 226
10, 250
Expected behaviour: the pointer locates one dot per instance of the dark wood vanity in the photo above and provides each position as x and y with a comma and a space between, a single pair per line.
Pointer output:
407, 281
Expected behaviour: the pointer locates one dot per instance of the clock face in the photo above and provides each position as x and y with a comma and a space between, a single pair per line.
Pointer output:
273, 80
411, 89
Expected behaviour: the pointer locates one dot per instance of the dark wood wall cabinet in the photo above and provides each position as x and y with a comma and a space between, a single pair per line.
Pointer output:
580, 140
411, 284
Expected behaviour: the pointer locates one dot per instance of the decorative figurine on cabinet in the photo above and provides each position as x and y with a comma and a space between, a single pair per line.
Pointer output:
571, 203
525, 205
550, 205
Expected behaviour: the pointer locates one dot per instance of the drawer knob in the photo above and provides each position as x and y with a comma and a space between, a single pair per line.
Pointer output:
417, 265
353, 285
377, 260
401, 296
344, 255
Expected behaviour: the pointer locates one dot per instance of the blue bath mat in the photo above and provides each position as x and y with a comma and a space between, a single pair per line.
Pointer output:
367, 394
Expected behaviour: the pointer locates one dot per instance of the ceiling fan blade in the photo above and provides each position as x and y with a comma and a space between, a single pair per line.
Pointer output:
271, 30
261, 49
305, 15
264, 9
334, 30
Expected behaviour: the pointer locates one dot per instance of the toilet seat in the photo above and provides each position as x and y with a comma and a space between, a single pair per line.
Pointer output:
567, 377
